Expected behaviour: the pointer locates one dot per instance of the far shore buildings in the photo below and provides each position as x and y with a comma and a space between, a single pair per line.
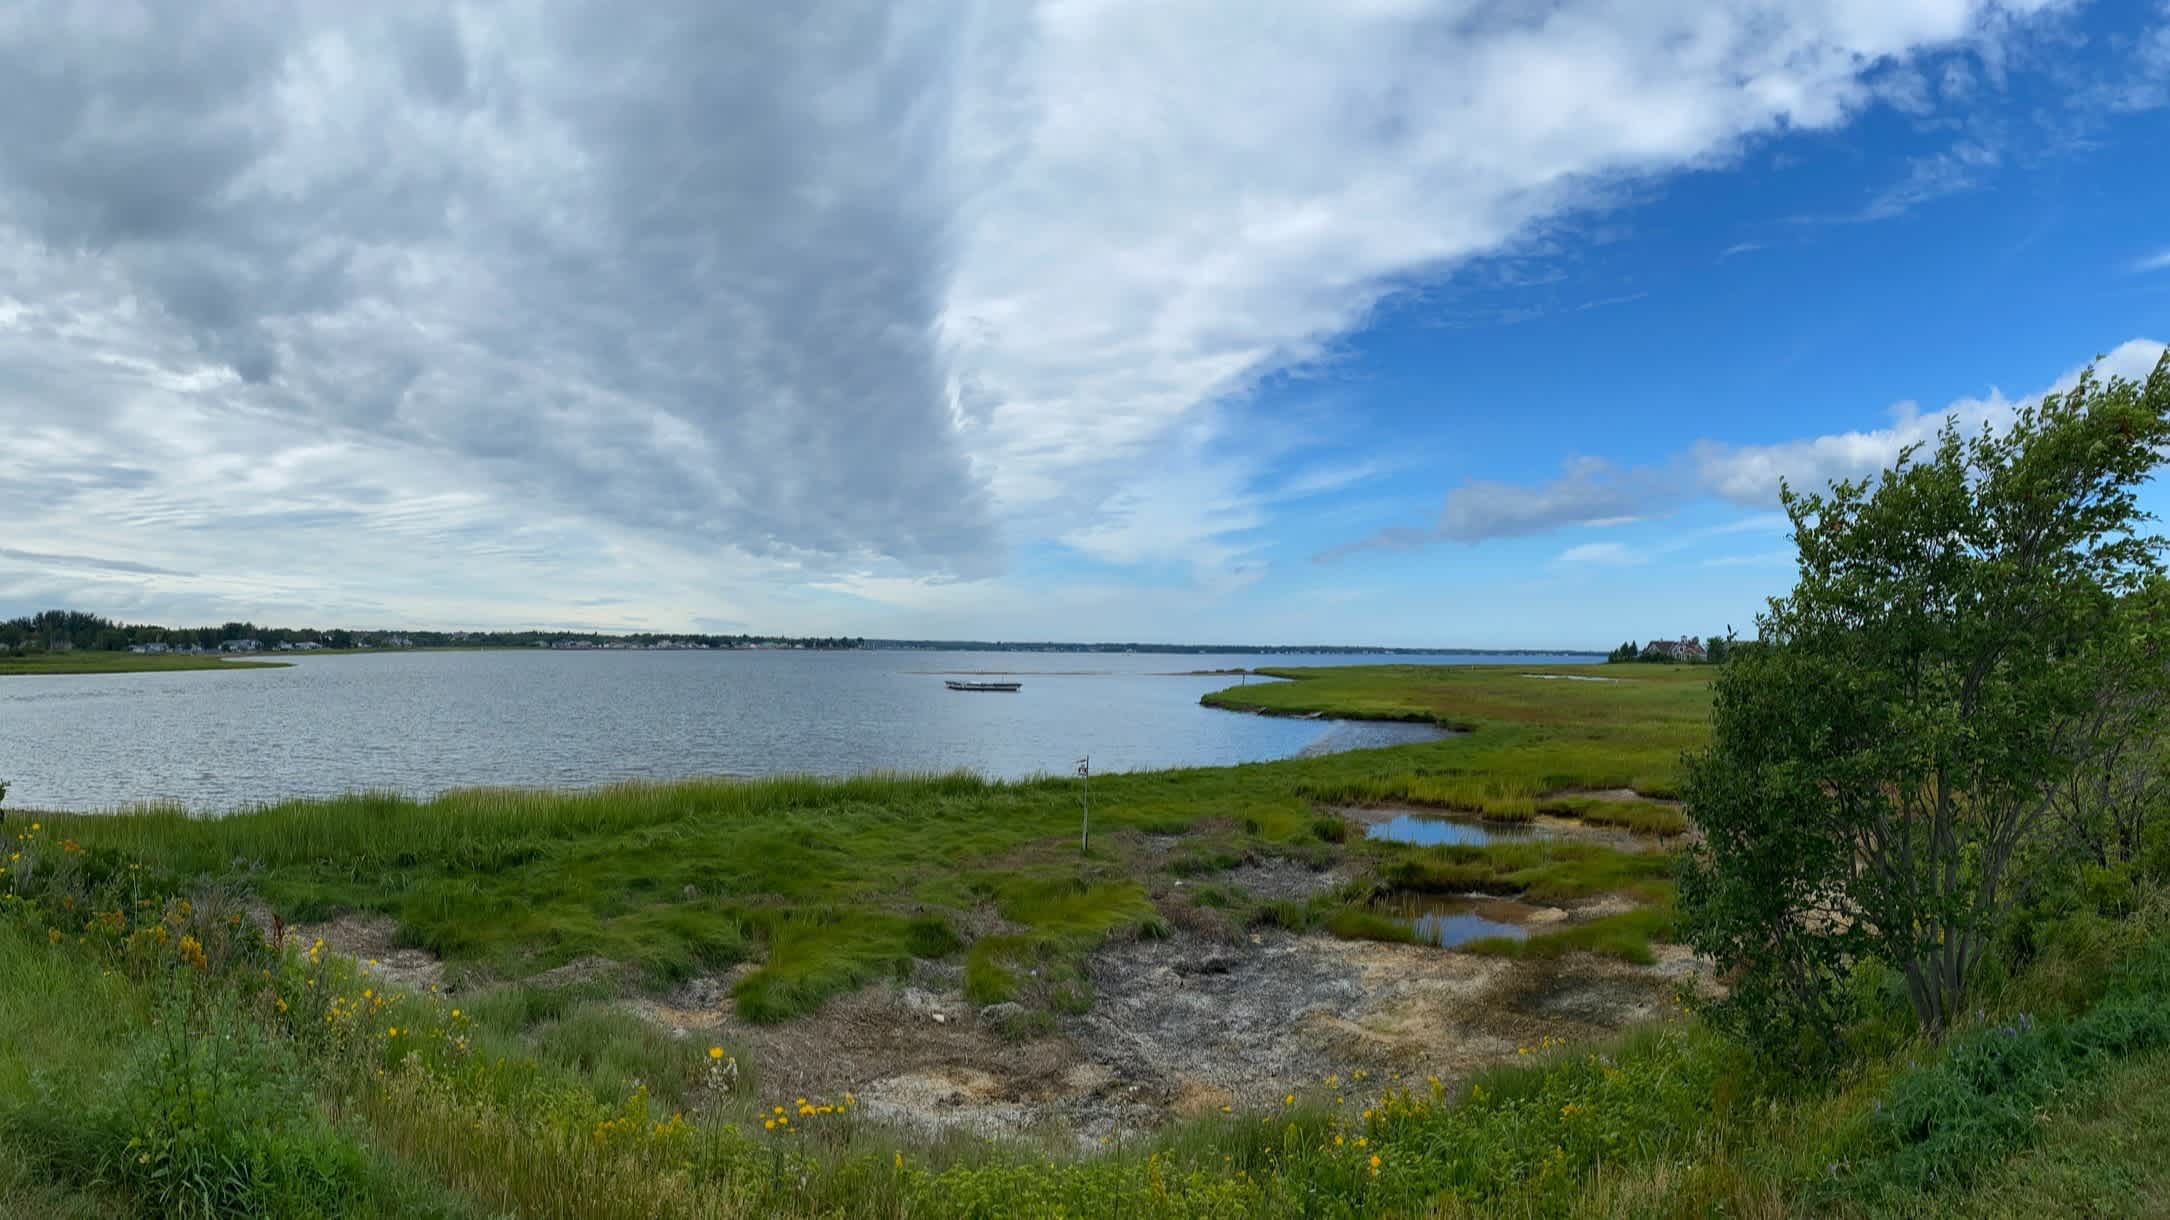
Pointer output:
1686, 648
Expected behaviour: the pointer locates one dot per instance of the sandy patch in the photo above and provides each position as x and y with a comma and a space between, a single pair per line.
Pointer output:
367, 937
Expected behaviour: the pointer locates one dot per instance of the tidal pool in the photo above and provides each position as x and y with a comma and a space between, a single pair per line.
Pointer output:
1451, 921
1428, 831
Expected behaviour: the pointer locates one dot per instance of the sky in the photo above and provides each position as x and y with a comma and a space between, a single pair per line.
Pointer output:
1402, 322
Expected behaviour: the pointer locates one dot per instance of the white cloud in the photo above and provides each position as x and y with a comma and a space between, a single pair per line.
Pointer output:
1598, 552
507, 309
1593, 491
1750, 474
1780, 558
2158, 261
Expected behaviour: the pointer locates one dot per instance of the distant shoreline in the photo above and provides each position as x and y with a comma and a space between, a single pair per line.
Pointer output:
85, 664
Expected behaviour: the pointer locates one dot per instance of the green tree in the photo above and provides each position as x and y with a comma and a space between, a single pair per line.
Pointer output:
1718, 647
1913, 706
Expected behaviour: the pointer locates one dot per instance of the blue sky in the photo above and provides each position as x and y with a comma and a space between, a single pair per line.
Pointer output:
1403, 322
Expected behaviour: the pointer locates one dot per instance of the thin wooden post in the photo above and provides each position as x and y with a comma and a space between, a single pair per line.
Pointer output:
1085, 824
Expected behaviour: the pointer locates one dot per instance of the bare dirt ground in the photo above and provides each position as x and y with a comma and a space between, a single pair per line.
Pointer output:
367, 937
1180, 1025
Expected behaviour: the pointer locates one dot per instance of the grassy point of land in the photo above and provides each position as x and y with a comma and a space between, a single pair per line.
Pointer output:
119, 663
1539, 740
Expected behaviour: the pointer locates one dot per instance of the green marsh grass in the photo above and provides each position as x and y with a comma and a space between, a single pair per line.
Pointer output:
520, 1100
118, 663
828, 884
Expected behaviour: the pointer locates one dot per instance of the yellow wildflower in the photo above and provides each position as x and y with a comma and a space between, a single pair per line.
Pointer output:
768, 1124
714, 1052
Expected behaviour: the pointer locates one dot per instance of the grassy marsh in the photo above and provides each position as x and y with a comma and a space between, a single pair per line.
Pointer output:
830, 884
118, 663
133, 984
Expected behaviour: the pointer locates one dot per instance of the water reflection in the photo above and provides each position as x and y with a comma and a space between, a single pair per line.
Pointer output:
423, 722
1451, 921
1428, 831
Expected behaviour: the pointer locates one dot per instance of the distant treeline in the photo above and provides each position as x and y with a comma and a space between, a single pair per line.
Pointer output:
68, 630
1347, 650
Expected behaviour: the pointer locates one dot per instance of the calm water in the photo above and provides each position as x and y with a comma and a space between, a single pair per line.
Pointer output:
1429, 831
1448, 922
424, 722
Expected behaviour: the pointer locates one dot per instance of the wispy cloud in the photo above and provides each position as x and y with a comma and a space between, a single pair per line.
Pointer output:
1592, 490
1781, 558
1599, 552
2158, 261
1964, 166
1741, 247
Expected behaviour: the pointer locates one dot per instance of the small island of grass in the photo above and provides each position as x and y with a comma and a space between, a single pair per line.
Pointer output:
86, 662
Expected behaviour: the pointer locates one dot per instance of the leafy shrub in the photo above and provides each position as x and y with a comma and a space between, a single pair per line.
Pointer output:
212, 1118
1945, 1122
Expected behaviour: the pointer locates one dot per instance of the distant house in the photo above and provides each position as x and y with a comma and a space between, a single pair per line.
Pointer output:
1686, 648
241, 646
149, 650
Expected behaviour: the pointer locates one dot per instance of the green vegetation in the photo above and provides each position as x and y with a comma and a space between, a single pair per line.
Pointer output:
117, 663
1934, 864
1537, 737
1538, 871
60, 631
164, 1060
828, 885
1962, 701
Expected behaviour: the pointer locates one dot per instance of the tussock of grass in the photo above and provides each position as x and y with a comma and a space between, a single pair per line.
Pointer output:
1642, 817
1355, 923
1065, 918
1625, 936
1540, 871
817, 954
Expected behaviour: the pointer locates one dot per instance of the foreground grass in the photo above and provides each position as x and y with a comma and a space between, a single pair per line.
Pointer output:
118, 663
2104, 1154
158, 1058
166, 1062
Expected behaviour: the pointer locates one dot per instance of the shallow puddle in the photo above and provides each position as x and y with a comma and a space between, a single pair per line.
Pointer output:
1448, 922
1433, 831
